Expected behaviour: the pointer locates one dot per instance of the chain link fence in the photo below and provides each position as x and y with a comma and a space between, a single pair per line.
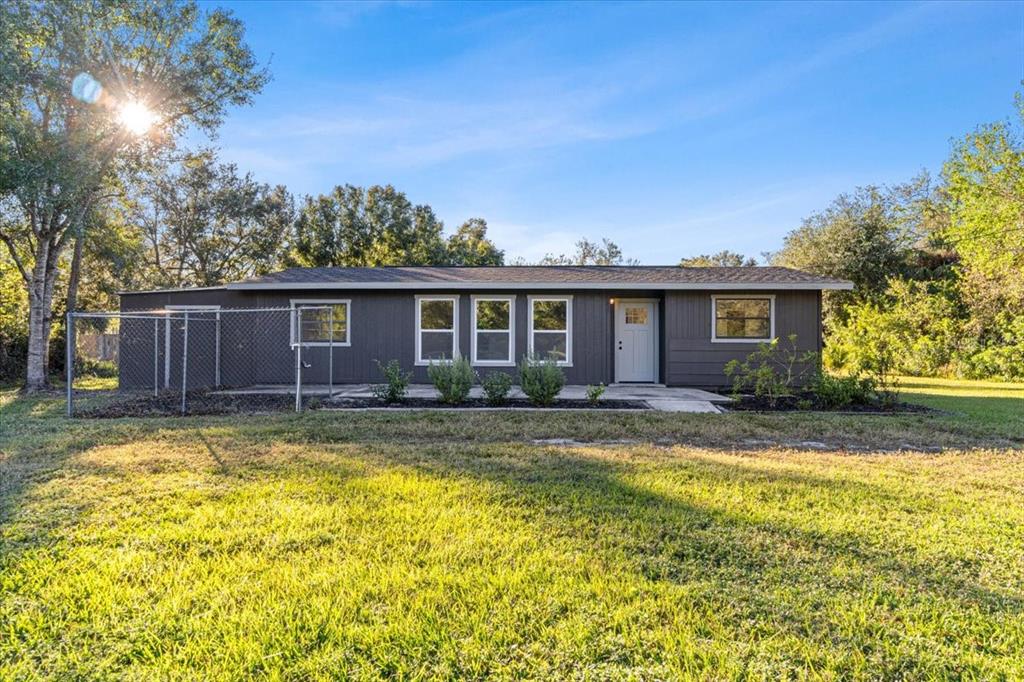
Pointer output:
158, 361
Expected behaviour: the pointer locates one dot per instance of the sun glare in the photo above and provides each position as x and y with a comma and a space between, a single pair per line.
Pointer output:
136, 117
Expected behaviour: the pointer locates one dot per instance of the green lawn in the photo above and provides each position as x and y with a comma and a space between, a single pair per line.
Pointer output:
437, 545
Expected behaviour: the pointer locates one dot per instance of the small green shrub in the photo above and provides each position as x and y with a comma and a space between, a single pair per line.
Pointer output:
840, 391
89, 367
452, 379
594, 393
397, 382
772, 370
541, 380
496, 388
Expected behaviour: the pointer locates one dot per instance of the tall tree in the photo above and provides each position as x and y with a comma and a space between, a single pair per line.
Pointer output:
206, 224
722, 259
985, 184
353, 226
470, 245
861, 237
141, 73
591, 253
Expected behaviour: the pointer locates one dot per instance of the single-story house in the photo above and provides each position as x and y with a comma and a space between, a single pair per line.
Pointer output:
671, 325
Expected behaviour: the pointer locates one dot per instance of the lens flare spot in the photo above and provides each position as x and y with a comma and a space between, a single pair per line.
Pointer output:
86, 88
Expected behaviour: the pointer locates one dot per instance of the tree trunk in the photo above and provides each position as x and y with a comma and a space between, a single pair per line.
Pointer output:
36, 378
73, 277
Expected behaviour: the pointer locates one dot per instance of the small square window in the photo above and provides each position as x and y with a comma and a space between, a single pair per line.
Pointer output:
637, 315
324, 323
747, 318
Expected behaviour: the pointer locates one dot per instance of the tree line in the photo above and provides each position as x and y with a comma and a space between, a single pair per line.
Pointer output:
938, 265
92, 203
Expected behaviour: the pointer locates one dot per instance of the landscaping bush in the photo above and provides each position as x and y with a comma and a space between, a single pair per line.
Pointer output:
594, 393
452, 379
496, 388
397, 382
840, 391
89, 367
772, 370
541, 380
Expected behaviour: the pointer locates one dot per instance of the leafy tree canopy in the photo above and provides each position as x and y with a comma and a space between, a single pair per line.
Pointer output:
470, 245
591, 253
59, 153
722, 259
205, 224
353, 226
985, 184
860, 237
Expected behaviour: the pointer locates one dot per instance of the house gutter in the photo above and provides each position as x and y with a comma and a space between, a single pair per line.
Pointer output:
537, 286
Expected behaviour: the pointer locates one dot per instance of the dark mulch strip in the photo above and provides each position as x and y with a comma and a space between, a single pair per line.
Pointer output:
512, 403
169, 405
750, 403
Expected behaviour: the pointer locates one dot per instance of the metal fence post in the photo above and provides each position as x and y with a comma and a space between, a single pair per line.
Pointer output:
69, 358
184, 365
216, 351
330, 354
298, 359
156, 357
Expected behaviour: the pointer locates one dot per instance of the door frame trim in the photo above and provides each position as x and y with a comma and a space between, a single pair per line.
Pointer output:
655, 337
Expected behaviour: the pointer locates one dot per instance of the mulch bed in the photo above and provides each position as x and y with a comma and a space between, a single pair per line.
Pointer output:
809, 402
169, 405
477, 403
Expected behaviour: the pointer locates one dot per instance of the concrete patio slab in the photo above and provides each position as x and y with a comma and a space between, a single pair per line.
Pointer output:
661, 398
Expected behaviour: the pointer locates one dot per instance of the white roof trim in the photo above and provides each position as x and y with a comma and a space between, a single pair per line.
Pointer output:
171, 291
538, 286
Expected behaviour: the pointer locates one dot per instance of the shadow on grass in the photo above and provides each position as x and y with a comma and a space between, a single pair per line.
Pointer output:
674, 539
588, 502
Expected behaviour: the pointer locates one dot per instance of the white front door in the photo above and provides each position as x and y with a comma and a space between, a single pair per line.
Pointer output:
635, 341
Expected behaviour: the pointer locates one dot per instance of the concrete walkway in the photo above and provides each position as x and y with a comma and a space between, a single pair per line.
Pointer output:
662, 398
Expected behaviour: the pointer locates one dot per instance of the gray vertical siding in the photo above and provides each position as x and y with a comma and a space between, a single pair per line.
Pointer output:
693, 360
255, 347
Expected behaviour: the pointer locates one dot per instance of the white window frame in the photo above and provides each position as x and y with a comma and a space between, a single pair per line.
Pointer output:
511, 360
313, 303
568, 325
771, 317
420, 360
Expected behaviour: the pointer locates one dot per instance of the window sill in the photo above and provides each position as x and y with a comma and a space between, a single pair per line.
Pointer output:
493, 363
741, 340
322, 344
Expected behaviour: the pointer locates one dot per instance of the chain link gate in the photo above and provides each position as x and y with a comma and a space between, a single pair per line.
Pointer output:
149, 357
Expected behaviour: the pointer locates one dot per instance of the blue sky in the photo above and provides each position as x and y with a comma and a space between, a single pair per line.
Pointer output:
672, 129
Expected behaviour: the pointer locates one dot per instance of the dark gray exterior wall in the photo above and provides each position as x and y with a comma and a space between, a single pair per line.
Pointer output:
255, 347
692, 359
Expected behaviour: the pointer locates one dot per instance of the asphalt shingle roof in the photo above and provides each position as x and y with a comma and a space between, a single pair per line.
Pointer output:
542, 276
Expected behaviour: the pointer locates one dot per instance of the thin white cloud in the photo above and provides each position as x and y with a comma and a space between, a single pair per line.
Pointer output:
456, 110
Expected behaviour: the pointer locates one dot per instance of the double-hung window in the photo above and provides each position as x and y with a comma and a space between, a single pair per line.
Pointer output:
437, 328
550, 328
493, 330
324, 322
742, 318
